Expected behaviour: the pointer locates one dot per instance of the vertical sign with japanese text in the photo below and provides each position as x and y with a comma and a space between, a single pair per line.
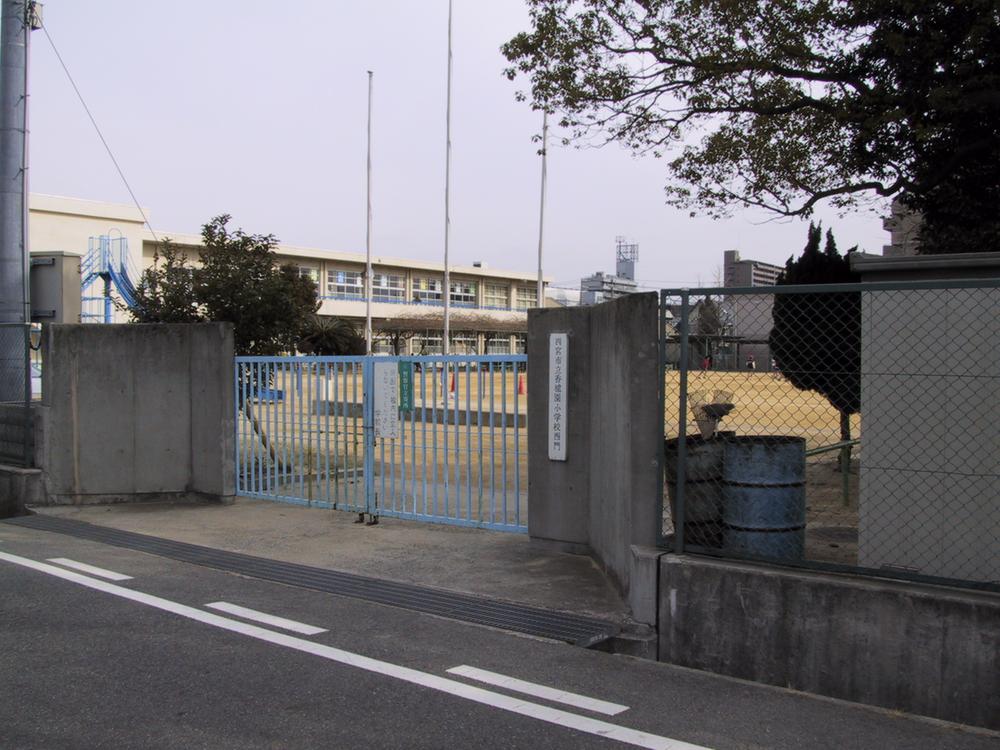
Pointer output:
558, 368
405, 387
386, 404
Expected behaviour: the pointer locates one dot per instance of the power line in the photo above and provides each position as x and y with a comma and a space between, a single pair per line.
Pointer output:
100, 135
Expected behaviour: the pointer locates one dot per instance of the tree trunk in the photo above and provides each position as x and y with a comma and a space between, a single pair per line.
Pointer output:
246, 376
258, 430
845, 435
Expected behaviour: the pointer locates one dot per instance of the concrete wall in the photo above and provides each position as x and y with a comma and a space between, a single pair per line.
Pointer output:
136, 411
559, 511
12, 433
920, 649
930, 400
19, 488
602, 499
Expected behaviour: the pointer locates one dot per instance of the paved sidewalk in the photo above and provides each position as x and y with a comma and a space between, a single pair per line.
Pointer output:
488, 563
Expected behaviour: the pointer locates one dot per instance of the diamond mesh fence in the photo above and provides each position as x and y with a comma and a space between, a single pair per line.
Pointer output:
852, 427
16, 429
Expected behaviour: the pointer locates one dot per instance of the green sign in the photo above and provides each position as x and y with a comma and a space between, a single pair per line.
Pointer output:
406, 386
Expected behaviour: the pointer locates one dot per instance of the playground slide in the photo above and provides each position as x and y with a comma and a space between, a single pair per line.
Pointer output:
107, 265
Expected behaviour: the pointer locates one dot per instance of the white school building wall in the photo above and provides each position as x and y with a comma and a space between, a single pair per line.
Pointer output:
488, 307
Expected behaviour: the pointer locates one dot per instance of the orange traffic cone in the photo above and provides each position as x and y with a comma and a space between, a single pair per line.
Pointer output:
521, 390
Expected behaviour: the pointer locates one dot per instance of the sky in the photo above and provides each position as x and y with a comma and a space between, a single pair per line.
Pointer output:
258, 109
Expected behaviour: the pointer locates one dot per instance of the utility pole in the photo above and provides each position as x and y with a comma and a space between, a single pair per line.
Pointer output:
368, 231
541, 208
16, 21
447, 201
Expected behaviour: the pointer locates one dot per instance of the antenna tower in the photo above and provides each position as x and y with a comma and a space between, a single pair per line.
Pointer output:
626, 255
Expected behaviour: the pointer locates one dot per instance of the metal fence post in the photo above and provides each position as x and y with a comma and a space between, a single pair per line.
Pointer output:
845, 475
682, 423
237, 427
368, 429
661, 392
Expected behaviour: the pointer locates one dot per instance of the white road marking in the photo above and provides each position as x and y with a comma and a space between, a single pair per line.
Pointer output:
278, 622
406, 674
92, 569
539, 691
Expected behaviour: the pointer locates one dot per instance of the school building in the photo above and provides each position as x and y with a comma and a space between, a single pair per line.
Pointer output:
488, 307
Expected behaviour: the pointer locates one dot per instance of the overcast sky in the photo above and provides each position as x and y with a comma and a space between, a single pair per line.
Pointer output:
257, 109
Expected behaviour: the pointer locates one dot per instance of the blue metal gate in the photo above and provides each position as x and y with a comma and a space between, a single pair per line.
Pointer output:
437, 438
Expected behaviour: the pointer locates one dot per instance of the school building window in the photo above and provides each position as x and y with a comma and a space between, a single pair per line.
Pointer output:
527, 296
344, 285
388, 287
498, 343
496, 296
428, 343
463, 342
427, 290
463, 293
309, 272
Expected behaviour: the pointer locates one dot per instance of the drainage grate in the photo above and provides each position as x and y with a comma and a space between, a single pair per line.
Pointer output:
575, 629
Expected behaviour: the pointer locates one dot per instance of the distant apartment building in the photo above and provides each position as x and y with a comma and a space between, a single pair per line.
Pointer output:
603, 287
488, 307
903, 226
748, 316
562, 297
738, 272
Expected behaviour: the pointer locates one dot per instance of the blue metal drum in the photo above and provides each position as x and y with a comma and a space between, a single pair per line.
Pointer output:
764, 500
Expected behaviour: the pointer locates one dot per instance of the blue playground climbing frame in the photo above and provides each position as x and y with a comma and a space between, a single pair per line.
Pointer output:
106, 270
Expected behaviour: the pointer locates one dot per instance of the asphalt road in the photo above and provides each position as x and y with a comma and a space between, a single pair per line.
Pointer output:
87, 662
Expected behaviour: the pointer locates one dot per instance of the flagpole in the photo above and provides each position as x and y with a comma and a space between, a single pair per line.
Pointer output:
368, 231
447, 200
541, 207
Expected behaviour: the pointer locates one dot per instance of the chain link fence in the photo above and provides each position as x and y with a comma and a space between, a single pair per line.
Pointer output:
16, 427
843, 427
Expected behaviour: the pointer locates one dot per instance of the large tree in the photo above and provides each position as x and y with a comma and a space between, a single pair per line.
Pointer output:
165, 292
816, 338
238, 281
781, 104
709, 326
